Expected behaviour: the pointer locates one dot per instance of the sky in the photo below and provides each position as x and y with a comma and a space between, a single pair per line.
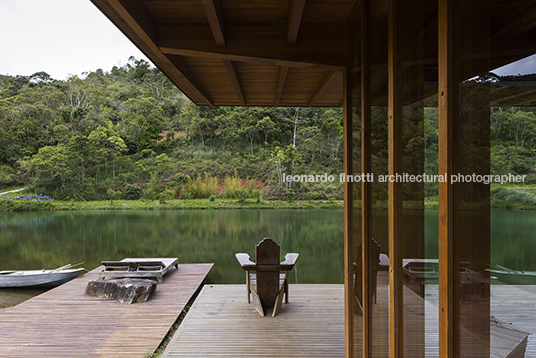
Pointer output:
60, 37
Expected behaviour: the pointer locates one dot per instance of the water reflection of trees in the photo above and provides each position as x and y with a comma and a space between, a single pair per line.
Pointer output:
192, 236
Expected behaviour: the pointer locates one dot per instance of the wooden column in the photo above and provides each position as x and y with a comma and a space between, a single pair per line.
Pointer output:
348, 213
366, 187
448, 110
396, 237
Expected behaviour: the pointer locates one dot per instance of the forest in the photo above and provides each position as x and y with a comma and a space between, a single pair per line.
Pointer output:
129, 133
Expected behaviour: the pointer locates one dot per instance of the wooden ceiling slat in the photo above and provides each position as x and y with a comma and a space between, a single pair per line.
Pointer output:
522, 20
215, 20
262, 41
321, 88
355, 11
123, 19
165, 11
281, 50
235, 79
299, 85
258, 82
294, 20
247, 59
185, 70
280, 84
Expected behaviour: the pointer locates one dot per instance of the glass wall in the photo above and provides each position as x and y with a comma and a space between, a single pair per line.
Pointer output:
443, 96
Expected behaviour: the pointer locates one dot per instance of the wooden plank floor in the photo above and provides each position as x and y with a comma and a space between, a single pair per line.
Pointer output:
64, 323
511, 303
517, 305
221, 323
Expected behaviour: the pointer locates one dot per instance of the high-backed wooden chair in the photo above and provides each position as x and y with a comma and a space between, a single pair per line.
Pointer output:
267, 285
358, 279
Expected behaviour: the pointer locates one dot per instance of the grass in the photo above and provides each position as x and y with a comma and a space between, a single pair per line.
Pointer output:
196, 204
507, 196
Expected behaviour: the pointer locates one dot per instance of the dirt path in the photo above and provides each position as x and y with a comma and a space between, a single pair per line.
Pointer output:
12, 191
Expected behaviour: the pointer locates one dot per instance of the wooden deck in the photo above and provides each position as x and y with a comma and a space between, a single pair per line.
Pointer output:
517, 305
510, 303
64, 323
221, 323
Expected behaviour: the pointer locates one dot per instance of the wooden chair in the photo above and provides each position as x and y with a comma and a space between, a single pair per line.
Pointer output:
267, 285
375, 266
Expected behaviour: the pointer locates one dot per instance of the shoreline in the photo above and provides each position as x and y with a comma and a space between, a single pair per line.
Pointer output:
205, 204
202, 204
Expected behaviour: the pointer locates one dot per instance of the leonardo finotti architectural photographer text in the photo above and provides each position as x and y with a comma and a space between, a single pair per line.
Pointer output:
404, 178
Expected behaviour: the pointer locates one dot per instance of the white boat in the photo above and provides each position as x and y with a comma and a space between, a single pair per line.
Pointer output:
38, 278
512, 277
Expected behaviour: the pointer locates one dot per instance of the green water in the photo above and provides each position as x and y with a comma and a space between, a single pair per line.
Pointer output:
34, 240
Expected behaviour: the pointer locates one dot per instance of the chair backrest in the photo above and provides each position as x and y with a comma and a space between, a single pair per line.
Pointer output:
267, 260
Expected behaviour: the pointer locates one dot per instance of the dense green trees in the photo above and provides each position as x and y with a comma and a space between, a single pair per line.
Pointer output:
131, 131
84, 136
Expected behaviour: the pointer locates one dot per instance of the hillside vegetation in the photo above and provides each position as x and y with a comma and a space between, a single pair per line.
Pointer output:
129, 133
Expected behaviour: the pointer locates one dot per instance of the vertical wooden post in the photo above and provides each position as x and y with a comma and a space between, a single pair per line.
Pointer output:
396, 332
366, 187
448, 112
348, 213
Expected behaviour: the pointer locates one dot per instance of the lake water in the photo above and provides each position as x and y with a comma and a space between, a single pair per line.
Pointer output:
35, 240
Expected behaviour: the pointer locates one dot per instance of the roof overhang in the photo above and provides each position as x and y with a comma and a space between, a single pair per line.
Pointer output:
294, 52
235, 52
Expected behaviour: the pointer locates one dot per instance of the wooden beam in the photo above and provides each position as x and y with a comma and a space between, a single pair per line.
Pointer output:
448, 88
296, 8
520, 22
355, 12
283, 71
215, 20
243, 44
249, 59
144, 38
396, 150
235, 79
366, 187
348, 218
185, 70
326, 81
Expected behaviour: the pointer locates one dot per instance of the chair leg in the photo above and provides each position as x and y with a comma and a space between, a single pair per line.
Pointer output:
286, 290
248, 286
279, 300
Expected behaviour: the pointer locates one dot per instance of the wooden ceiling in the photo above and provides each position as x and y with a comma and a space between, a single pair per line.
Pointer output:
291, 52
243, 52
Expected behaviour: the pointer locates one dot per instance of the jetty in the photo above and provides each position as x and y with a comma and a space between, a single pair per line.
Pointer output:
63, 322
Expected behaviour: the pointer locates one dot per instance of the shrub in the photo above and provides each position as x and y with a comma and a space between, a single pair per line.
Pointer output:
290, 194
113, 195
132, 192
212, 198
153, 189
203, 189
26, 203
257, 194
231, 187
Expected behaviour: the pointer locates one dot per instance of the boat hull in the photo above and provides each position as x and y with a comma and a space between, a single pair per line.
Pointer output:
38, 278
514, 278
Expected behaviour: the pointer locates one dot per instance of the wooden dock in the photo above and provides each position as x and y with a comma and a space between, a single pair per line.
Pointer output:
64, 323
221, 323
